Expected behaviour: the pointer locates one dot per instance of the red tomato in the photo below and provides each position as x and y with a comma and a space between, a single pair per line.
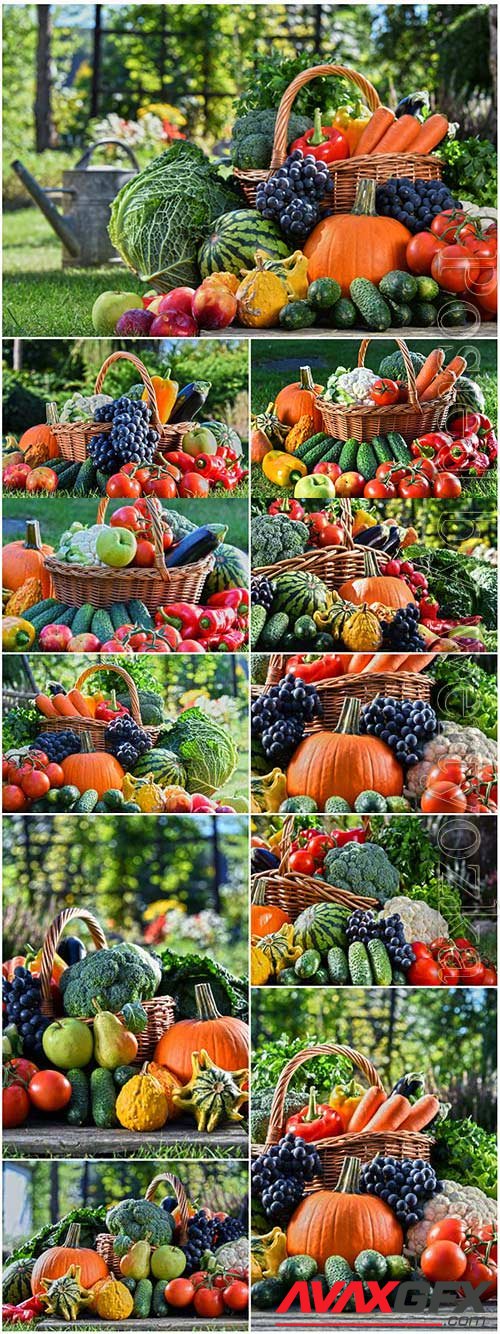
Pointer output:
420, 950
421, 250
472, 974
449, 222
318, 519
425, 468
179, 1292
193, 484
49, 1090
331, 535
145, 554
448, 1229
424, 973
141, 474
350, 484
302, 862
443, 1261
447, 487
120, 486
477, 1271
13, 798
15, 1106
414, 488
55, 774
489, 976
236, 1295
455, 269
450, 974
447, 770
443, 797
35, 784
319, 846
389, 472
208, 1302
128, 516
384, 393
379, 490
441, 943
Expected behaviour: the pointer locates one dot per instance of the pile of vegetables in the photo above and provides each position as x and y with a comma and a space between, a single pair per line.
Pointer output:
377, 931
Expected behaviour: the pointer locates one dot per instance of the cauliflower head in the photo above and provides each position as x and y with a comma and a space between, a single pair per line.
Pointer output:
455, 1201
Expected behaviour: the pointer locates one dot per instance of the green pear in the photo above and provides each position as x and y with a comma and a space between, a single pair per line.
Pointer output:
135, 1264
113, 1044
108, 307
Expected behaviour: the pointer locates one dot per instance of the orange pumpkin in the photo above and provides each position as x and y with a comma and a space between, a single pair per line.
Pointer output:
92, 769
374, 587
169, 1083
343, 764
342, 1222
264, 917
223, 1037
298, 400
358, 244
56, 1262
38, 444
25, 560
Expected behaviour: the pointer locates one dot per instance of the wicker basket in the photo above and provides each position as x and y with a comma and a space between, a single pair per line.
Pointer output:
94, 726
160, 1010
364, 422
73, 437
345, 175
156, 586
293, 892
398, 1143
333, 691
334, 565
105, 1241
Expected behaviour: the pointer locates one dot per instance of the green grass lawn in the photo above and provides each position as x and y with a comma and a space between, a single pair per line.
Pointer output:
55, 513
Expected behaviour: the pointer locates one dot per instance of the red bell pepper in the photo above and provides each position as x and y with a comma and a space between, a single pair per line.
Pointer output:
316, 1121
478, 463
106, 712
287, 506
489, 444
343, 836
464, 423
312, 668
215, 620
182, 615
453, 457
227, 641
428, 608
179, 459
427, 446
232, 477
231, 597
325, 142
211, 466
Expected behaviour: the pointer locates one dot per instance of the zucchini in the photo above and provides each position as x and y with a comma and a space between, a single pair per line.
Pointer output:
77, 1110
86, 480
191, 549
381, 449
399, 448
366, 462
103, 1099
302, 450
338, 970
87, 802
370, 304
348, 455
274, 629
380, 962
138, 614
119, 614
102, 625
359, 965
83, 619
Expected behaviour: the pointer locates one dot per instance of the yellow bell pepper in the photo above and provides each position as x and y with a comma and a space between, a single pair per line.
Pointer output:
282, 469
17, 634
352, 121
166, 391
344, 1099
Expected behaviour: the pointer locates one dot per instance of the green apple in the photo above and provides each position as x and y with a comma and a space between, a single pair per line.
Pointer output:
168, 1262
108, 308
199, 441
68, 1044
116, 546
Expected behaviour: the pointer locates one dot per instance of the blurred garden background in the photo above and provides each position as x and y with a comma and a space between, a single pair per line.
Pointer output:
178, 883
149, 74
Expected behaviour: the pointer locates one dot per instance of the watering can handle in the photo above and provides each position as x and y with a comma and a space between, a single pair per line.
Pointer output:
85, 159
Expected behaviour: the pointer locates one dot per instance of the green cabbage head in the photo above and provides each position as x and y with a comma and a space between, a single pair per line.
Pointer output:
206, 750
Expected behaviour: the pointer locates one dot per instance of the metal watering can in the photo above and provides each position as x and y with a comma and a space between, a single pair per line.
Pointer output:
87, 193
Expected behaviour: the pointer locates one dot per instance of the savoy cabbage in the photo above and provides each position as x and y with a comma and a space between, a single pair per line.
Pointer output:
160, 217
206, 750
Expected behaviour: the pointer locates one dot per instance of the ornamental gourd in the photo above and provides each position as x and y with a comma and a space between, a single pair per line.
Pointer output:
299, 400
57, 1261
38, 444
358, 244
265, 917
212, 1094
92, 769
65, 1296
167, 1082
260, 296
342, 1222
375, 587
224, 1037
362, 630
141, 1104
114, 1301
24, 560
343, 764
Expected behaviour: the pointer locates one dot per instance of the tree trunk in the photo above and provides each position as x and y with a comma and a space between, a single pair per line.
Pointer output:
54, 1192
96, 63
17, 354
45, 135
492, 22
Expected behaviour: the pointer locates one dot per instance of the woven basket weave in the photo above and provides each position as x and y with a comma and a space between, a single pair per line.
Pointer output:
73, 437
292, 892
398, 1143
344, 175
334, 565
94, 726
156, 586
105, 1241
160, 1010
333, 691
363, 422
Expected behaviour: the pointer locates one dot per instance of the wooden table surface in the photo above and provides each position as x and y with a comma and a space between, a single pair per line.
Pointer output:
179, 1325
62, 1141
486, 330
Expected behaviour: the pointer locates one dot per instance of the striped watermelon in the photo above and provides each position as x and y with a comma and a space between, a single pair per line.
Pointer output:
16, 1279
165, 767
320, 926
299, 594
235, 238
469, 396
230, 571
225, 435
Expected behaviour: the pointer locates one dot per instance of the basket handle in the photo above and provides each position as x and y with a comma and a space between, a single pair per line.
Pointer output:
145, 377
182, 1198
412, 385
282, 119
276, 1118
53, 937
120, 671
155, 511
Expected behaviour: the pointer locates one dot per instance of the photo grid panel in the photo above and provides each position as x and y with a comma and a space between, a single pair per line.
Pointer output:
249, 667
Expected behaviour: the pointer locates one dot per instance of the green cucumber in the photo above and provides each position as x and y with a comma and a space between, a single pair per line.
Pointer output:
87, 802
348, 455
399, 448
333, 453
113, 799
102, 625
371, 304
308, 963
139, 614
274, 630
68, 477
102, 480
381, 449
83, 619
366, 462
380, 962
86, 480
119, 614
344, 314
338, 970
302, 450
297, 1267
317, 454
39, 608
77, 1109
359, 965
49, 617
103, 1099
143, 1297
258, 620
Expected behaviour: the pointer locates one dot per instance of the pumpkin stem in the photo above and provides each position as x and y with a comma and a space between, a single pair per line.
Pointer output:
33, 540
305, 378
205, 1002
312, 1107
73, 1235
364, 202
348, 1181
349, 719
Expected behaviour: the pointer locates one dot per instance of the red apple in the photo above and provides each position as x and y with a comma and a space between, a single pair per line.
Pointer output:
214, 307
15, 476
42, 479
174, 324
84, 643
55, 638
127, 517
180, 298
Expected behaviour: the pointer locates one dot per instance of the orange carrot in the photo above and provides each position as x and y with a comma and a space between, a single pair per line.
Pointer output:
440, 385
359, 663
415, 662
431, 367
385, 662
370, 1102
346, 659
381, 120
391, 1115
64, 707
400, 137
430, 134
44, 705
75, 697
421, 1113
458, 366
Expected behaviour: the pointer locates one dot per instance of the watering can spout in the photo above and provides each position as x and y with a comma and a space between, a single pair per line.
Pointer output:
41, 197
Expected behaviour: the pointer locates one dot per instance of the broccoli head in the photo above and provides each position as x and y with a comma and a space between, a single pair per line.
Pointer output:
362, 868
276, 537
115, 977
253, 137
141, 1220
